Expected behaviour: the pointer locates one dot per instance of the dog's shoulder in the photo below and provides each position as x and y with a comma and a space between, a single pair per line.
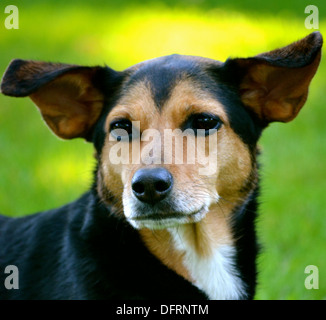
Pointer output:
83, 251
37, 245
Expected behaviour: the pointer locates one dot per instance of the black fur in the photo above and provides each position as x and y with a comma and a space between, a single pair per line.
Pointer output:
34, 76
83, 250
162, 74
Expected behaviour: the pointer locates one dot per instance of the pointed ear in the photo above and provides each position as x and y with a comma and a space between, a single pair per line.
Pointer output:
68, 96
274, 85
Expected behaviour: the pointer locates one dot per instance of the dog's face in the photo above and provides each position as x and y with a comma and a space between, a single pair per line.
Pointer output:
175, 136
175, 126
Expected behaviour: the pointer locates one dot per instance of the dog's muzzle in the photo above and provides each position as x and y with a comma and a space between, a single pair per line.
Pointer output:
153, 204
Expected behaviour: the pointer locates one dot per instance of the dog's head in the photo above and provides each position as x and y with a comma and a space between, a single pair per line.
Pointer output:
175, 136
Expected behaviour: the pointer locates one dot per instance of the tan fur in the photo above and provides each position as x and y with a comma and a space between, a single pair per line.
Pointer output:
159, 242
203, 236
192, 233
70, 104
276, 93
234, 168
136, 105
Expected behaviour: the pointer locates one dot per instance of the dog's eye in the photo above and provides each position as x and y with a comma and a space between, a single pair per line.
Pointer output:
205, 122
121, 129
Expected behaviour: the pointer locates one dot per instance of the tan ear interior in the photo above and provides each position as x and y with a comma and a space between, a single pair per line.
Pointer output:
276, 93
70, 104
274, 84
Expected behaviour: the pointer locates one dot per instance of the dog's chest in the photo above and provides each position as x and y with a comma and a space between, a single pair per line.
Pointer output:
216, 275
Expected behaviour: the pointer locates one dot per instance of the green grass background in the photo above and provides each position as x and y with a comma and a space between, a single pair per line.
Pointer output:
39, 171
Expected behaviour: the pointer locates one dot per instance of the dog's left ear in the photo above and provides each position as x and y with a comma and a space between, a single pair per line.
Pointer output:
69, 96
274, 85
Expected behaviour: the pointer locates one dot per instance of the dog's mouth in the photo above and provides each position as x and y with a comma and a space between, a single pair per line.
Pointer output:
161, 220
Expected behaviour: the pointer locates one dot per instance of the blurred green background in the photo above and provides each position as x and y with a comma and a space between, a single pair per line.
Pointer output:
39, 171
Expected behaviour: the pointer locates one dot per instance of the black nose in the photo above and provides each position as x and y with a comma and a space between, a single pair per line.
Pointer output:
151, 185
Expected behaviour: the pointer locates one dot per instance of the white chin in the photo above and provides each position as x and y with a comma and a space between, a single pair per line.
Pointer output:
155, 224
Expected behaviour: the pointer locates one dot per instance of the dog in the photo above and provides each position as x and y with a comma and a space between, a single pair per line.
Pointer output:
150, 228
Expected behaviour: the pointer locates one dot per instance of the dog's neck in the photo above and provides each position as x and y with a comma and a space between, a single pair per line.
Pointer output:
213, 249
202, 252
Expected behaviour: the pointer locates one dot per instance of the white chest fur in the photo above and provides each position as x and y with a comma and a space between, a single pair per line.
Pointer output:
216, 274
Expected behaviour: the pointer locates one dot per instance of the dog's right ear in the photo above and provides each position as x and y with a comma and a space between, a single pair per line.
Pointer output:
69, 97
274, 85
